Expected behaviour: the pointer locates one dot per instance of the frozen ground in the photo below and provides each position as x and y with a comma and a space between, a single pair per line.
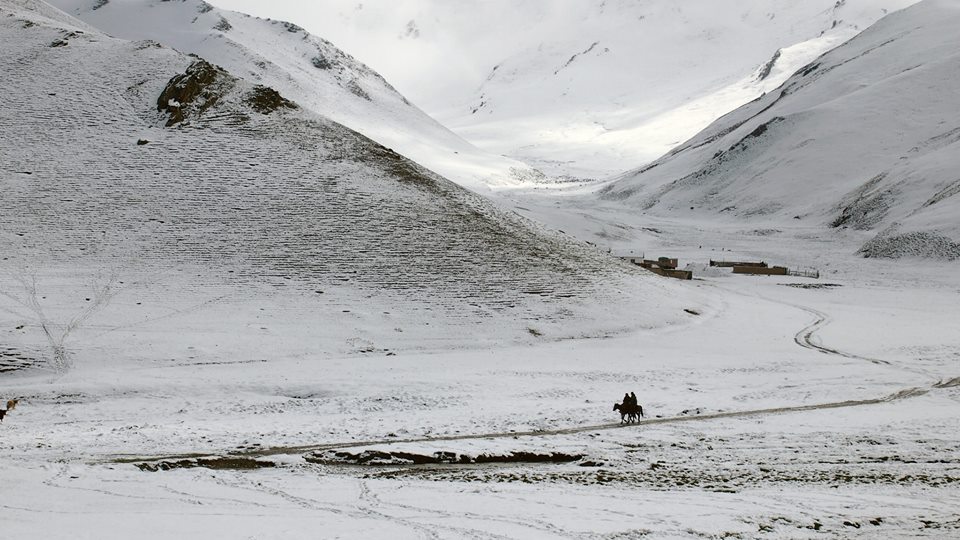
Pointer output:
854, 433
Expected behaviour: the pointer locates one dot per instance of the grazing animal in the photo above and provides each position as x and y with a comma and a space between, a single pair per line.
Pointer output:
11, 405
628, 412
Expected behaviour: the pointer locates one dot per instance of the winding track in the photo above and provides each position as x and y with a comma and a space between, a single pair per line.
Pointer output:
803, 338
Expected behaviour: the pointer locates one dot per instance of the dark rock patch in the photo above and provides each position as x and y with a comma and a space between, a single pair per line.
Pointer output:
292, 28
381, 458
358, 91
194, 91
809, 69
266, 100
223, 25
218, 463
768, 67
320, 62
65, 40
528, 457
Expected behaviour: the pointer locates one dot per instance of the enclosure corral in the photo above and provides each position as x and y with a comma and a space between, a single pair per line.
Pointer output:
662, 266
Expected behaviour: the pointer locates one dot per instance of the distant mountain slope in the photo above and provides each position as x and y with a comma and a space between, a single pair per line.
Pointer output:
309, 70
129, 161
588, 88
867, 136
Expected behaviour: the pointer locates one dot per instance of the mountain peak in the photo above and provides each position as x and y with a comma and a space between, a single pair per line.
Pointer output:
304, 68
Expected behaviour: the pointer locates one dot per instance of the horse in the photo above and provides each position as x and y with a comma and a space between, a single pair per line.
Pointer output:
12, 404
628, 413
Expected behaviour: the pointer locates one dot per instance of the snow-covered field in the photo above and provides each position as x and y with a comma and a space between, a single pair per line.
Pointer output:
856, 438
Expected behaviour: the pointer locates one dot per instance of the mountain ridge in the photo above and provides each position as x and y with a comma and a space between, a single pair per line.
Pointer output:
308, 69
582, 89
861, 138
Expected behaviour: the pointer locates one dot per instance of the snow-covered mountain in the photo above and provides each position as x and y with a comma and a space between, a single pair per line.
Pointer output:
135, 170
309, 70
582, 88
866, 137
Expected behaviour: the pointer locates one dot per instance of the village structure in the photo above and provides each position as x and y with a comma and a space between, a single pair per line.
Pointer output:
667, 267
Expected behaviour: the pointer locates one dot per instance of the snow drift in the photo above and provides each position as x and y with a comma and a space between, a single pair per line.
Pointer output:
866, 137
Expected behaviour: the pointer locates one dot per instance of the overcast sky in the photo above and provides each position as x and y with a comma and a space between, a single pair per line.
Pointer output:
377, 34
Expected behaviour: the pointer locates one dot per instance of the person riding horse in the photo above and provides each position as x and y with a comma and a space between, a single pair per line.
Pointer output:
630, 410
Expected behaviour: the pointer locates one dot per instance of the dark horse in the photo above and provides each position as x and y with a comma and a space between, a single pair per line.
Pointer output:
628, 413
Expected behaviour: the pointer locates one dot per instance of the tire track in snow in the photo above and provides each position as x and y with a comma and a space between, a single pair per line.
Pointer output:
537, 525
804, 338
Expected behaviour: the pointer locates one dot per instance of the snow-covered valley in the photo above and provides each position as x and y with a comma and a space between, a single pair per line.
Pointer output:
228, 313
575, 88
750, 430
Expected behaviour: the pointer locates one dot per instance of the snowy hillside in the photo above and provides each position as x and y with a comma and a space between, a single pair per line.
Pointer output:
581, 88
307, 69
150, 185
865, 137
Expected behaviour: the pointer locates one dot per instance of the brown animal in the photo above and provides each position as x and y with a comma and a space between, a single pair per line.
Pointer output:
628, 412
11, 405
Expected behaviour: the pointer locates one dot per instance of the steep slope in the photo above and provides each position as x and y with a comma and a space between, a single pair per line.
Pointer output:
143, 187
309, 70
866, 137
582, 88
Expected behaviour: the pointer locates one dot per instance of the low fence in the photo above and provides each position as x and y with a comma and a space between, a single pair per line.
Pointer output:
807, 273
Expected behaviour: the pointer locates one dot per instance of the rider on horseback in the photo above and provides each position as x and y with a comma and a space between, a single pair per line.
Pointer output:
630, 409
